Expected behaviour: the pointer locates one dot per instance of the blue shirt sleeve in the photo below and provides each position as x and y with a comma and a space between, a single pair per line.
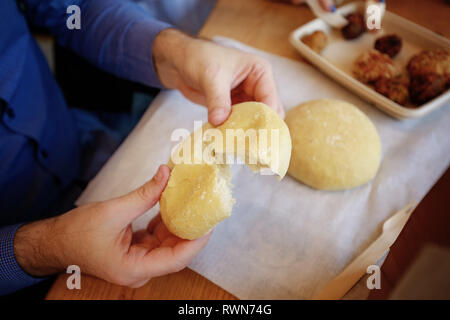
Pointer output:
115, 35
12, 277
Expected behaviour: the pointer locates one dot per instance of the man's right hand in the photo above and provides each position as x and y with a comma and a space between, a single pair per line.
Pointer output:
98, 238
326, 4
213, 75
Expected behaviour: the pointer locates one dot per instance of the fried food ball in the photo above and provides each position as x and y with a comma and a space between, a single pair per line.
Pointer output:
430, 74
396, 89
317, 40
355, 26
425, 87
371, 65
435, 61
390, 45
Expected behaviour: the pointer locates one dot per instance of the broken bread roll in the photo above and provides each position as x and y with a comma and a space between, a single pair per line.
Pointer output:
248, 122
254, 119
197, 197
198, 194
335, 145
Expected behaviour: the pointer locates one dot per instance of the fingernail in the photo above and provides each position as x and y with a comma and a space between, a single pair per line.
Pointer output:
159, 175
333, 8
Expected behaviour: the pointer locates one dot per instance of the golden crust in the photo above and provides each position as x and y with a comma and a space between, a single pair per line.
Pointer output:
317, 40
355, 26
430, 74
396, 89
435, 61
335, 145
372, 65
390, 44
425, 87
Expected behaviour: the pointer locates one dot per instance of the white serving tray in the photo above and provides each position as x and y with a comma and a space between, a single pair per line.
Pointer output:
336, 60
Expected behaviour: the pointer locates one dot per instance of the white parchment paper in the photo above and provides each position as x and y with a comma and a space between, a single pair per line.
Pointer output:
285, 240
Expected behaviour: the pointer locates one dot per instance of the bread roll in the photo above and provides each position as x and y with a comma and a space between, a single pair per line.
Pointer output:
245, 117
276, 153
335, 145
198, 194
196, 198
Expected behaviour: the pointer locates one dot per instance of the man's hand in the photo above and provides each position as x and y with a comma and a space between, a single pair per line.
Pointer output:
326, 4
212, 75
98, 238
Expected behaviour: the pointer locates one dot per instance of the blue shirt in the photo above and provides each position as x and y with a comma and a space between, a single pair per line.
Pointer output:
187, 15
39, 142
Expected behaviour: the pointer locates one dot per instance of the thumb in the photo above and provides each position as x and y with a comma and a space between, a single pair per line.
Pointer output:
218, 100
139, 201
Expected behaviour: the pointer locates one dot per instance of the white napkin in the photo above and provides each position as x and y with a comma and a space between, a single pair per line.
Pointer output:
285, 240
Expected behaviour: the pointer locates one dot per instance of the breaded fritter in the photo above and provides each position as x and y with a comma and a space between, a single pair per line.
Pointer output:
317, 40
435, 61
372, 65
425, 87
430, 74
396, 89
390, 45
355, 26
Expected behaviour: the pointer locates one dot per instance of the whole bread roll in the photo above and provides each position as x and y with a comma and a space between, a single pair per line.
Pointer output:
335, 145
198, 194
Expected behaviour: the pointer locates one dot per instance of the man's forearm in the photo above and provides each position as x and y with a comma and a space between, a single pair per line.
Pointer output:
37, 249
168, 52
14, 275
115, 35
172, 49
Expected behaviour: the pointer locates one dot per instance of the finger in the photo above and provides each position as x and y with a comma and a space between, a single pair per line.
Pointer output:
142, 199
298, 1
266, 92
143, 239
238, 95
161, 232
139, 283
218, 99
164, 260
126, 237
280, 110
170, 241
328, 5
158, 229
140, 236
264, 87
192, 94
154, 222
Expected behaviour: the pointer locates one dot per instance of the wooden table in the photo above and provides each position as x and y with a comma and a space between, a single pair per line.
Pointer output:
265, 25
429, 224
